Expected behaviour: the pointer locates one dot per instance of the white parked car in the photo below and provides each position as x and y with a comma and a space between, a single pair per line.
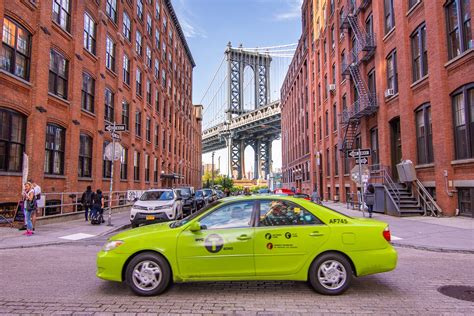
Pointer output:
157, 205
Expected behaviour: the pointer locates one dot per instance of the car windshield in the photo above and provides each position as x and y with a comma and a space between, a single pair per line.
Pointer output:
301, 195
193, 215
207, 192
199, 194
157, 196
185, 192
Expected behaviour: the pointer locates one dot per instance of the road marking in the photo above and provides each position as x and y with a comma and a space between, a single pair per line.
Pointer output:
78, 236
395, 238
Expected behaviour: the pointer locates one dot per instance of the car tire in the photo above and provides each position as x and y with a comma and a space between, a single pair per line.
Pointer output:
148, 274
330, 274
134, 225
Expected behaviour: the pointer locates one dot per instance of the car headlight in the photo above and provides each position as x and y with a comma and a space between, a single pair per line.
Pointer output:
162, 207
111, 245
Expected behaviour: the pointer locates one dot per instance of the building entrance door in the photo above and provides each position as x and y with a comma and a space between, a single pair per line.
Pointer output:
395, 146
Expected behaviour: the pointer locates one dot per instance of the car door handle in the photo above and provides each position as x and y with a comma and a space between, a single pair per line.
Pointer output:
316, 234
244, 237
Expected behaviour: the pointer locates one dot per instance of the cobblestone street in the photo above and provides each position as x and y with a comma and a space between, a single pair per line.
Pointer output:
61, 279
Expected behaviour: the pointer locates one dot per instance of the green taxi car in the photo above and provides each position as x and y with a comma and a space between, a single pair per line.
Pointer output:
250, 238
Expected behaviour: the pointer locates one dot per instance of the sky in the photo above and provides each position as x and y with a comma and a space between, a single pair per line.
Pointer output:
210, 24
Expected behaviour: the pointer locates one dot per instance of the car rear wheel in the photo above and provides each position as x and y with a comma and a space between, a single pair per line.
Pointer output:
148, 274
330, 274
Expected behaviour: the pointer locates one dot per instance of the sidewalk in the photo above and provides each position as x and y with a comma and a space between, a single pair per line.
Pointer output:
60, 233
445, 234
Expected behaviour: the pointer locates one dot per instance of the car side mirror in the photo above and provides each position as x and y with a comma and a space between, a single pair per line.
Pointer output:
135, 199
195, 226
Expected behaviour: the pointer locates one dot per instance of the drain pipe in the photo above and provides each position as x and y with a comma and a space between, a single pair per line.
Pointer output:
448, 192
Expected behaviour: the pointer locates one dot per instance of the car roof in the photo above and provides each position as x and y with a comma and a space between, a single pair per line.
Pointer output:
159, 190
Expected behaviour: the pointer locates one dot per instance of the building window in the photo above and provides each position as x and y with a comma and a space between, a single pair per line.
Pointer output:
136, 166
148, 57
106, 164
392, 73
347, 164
157, 39
333, 38
89, 34
157, 9
458, 22
163, 78
138, 123
371, 82
127, 26
156, 135
155, 169
369, 27
411, 3
424, 135
149, 28
140, 9
138, 43
54, 157
109, 106
148, 129
125, 114
334, 117
110, 54
88, 92
147, 168
328, 163
15, 54
157, 101
58, 73
374, 145
463, 108
389, 15
126, 69
148, 92
466, 201
336, 161
139, 82
157, 69
85, 156
111, 9
61, 13
325, 48
326, 123
419, 53
320, 128
124, 164
12, 140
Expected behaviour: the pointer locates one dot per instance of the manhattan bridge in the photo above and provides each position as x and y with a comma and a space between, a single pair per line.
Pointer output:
242, 106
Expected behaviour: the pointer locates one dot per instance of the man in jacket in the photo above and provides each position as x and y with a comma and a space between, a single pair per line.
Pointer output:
87, 201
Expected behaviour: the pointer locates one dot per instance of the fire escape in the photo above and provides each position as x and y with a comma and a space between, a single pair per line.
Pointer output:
362, 51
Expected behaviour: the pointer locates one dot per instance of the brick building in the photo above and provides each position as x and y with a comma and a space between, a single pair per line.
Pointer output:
68, 68
393, 76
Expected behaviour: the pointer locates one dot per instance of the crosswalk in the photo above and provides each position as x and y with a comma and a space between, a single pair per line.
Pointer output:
77, 236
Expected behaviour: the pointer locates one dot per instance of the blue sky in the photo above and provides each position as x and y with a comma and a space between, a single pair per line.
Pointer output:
210, 24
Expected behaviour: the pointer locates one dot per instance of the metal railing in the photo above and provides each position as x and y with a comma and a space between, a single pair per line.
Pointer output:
380, 173
65, 203
425, 200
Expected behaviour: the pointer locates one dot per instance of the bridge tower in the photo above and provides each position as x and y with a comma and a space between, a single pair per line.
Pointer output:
237, 60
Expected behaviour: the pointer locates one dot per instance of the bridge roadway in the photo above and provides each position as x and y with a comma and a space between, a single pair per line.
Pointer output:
263, 124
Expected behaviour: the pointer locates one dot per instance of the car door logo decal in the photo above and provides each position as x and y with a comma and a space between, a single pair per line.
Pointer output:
214, 243
268, 236
287, 235
269, 246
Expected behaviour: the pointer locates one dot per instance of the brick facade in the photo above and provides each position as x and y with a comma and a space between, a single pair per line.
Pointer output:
178, 146
445, 174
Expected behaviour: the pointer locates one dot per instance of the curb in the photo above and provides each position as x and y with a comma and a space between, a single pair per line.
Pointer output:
56, 243
432, 249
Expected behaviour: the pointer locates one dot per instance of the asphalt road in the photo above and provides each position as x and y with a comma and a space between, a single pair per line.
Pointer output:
62, 278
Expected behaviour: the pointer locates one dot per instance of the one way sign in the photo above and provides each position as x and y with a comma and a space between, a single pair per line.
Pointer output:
362, 161
355, 153
115, 128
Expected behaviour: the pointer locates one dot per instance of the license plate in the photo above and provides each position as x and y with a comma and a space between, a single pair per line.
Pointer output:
150, 217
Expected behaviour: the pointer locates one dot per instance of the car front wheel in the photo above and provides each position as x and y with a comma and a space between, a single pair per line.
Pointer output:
330, 274
148, 274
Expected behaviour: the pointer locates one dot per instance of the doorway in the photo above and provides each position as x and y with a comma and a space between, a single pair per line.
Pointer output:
395, 146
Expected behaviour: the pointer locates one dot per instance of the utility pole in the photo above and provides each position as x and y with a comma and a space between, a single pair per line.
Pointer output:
361, 184
212, 172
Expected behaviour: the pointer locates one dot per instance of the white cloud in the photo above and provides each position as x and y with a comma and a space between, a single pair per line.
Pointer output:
187, 20
292, 12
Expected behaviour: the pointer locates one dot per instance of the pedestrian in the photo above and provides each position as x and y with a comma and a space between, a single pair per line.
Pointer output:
369, 198
29, 204
37, 193
227, 192
87, 201
315, 196
98, 205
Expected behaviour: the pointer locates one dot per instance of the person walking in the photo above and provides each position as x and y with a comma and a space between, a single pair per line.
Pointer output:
29, 204
369, 198
37, 193
98, 206
87, 201
315, 196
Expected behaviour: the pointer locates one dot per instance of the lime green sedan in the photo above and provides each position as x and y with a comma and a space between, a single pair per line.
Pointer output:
250, 238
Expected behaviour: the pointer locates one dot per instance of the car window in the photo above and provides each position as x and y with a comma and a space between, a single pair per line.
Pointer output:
283, 213
235, 215
157, 196
194, 215
198, 193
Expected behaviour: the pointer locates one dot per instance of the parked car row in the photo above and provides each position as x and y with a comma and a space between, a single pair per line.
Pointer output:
159, 205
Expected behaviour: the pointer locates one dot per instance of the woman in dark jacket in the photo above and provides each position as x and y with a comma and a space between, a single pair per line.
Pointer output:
99, 204
369, 198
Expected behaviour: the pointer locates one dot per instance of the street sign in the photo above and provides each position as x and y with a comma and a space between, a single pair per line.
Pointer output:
115, 136
117, 128
109, 152
360, 174
362, 161
355, 153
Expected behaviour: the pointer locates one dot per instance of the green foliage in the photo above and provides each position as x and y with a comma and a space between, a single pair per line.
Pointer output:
222, 181
258, 187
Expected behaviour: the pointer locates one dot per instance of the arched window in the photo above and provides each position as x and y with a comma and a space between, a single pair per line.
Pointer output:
16, 49
424, 134
12, 140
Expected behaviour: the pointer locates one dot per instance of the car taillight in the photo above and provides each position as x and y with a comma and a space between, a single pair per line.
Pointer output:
386, 234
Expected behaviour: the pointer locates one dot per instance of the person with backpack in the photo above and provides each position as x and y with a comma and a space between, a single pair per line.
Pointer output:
87, 201
98, 207
369, 198
29, 203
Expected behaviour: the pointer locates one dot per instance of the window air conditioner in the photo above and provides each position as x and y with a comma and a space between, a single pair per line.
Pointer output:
332, 87
389, 93
341, 36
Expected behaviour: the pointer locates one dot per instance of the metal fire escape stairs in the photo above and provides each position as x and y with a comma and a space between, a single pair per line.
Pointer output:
363, 51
